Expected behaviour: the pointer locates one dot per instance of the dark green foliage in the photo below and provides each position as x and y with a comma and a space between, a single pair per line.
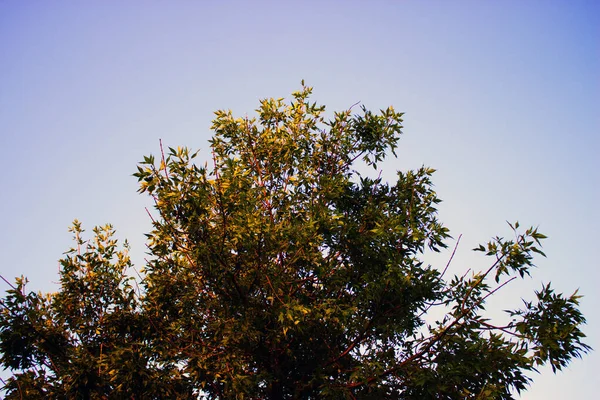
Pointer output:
280, 272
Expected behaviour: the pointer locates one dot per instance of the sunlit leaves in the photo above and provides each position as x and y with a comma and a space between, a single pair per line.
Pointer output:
276, 270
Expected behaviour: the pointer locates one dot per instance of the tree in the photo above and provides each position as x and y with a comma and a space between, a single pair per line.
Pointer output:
281, 272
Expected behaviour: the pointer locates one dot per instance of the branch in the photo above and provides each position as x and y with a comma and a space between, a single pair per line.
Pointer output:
355, 342
490, 327
432, 340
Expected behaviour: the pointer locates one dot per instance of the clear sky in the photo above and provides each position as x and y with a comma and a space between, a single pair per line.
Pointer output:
502, 97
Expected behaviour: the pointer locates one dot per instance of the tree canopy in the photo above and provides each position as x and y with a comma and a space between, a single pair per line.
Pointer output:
278, 271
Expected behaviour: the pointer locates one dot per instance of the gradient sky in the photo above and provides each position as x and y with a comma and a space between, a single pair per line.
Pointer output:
501, 97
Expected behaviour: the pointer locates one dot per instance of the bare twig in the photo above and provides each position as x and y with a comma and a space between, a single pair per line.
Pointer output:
358, 102
8, 283
150, 215
451, 256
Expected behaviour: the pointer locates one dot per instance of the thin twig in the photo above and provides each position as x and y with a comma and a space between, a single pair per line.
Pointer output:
163, 158
358, 102
451, 256
8, 283
150, 215
490, 327
498, 288
273, 289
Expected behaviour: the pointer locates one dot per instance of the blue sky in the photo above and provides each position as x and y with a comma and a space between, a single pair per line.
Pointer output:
501, 97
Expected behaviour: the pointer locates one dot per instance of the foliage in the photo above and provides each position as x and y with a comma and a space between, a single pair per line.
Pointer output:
281, 272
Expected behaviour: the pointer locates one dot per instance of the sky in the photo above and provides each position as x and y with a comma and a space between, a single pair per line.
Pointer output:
501, 97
